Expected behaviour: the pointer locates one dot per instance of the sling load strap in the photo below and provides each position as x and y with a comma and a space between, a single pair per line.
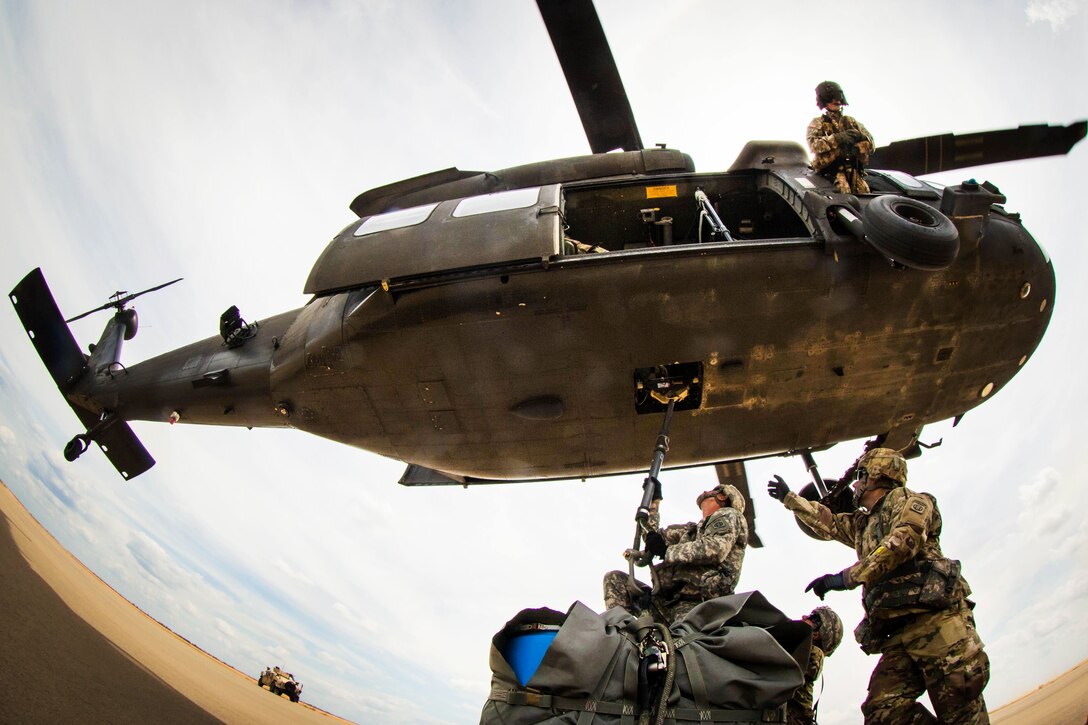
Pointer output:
543, 700
695, 679
693, 714
598, 692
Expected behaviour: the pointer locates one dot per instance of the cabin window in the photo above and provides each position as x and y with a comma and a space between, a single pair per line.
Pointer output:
499, 201
395, 220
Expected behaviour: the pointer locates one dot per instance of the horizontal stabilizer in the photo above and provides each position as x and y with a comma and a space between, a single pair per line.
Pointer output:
45, 325
121, 446
59, 351
930, 154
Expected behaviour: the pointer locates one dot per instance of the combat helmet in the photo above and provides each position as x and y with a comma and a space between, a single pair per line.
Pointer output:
829, 91
829, 626
727, 495
884, 462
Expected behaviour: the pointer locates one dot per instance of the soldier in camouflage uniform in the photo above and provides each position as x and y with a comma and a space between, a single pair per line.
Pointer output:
917, 615
840, 145
700, 561
826, 636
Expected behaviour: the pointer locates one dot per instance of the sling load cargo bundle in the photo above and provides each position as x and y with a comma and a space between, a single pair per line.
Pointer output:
733, 659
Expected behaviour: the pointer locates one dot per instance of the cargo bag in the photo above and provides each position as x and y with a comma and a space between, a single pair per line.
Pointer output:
733, 659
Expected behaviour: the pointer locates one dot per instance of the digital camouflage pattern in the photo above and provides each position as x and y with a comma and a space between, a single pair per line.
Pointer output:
702, 561
844, 166
926, 643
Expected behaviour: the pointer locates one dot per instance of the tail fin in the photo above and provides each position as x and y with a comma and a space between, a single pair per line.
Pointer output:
66, 363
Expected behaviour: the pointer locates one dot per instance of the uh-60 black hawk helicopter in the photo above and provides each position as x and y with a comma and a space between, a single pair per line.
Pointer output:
534, 322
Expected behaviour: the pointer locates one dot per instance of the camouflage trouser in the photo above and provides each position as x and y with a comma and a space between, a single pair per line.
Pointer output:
940, 653
617, 593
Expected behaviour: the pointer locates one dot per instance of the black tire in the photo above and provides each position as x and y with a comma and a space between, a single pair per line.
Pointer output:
74, 449
911, 233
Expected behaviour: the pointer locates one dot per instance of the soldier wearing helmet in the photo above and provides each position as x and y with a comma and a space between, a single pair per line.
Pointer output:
826, 635
840, 146
699, 560
917, 614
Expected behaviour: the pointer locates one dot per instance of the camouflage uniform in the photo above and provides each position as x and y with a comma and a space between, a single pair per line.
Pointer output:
702, 561
843, 166
800, 710
917, 614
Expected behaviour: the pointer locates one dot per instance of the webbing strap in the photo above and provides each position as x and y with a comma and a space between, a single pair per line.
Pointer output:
692, 714
598, 692
539, 699
716, 715
695, 679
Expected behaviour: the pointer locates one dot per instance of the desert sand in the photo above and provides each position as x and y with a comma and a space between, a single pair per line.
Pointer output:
74, 650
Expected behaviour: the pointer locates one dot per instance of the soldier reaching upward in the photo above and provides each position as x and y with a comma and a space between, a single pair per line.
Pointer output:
700, 561
917, 615
840, 145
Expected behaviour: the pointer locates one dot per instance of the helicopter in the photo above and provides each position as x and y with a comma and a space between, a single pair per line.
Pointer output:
457, 326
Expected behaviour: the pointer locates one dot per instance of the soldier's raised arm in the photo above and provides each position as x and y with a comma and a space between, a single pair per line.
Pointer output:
825, 524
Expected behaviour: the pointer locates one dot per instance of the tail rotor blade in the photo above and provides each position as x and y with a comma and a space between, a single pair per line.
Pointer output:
120, 302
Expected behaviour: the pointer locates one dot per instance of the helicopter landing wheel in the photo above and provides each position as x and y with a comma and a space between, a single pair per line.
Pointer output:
911, 233
74, 449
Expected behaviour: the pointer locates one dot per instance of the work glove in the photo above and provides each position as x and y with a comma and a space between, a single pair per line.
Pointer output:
657, 491
777, 489
848, 137
655, 544
828, 582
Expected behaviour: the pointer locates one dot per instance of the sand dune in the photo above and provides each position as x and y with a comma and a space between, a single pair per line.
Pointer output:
74, 650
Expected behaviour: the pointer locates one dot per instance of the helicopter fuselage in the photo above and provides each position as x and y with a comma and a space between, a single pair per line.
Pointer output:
486, 345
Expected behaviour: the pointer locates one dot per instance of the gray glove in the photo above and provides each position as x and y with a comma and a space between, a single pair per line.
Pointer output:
848, 138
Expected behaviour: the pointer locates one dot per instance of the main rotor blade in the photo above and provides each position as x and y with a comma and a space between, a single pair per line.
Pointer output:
121, 302
931, 154
592, 75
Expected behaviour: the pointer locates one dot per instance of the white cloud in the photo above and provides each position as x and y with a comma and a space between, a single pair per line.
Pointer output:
1045, 482
1055, 12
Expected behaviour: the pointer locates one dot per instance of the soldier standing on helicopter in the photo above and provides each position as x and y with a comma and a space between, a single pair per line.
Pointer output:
917, 615
840, 145
700, 561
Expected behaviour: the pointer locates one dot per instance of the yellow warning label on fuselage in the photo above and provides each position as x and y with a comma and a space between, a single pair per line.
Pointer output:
660, 192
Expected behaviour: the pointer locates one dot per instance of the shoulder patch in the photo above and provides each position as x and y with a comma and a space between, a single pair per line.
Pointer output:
917, 507
720, 525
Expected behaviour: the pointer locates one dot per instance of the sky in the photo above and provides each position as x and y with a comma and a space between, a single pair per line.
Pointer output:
222, 142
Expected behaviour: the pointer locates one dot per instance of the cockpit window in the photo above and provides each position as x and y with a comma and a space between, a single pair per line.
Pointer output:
499, 201
395, 220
